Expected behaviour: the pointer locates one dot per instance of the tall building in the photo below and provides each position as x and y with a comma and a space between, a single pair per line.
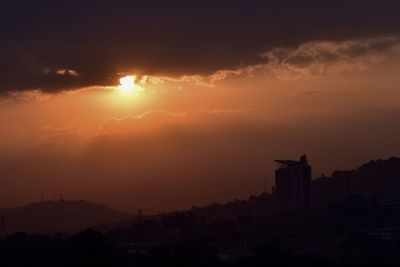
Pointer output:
293, 182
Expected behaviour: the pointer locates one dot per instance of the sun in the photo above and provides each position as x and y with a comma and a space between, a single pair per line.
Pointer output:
127, 84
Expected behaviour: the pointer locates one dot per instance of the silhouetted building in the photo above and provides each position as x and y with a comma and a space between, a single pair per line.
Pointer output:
293, 182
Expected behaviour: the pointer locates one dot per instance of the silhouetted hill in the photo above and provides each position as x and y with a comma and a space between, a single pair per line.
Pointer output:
254, 206
380, 178
59, 216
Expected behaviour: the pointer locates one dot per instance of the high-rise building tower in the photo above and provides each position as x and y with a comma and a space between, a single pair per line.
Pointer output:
293, 182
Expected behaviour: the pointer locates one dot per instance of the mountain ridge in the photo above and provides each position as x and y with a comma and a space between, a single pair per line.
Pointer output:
59, 216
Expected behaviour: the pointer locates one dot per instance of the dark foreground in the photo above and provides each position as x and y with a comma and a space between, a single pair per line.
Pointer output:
330, 238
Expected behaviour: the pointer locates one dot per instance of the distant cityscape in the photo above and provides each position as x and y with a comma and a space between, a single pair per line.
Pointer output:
351, 218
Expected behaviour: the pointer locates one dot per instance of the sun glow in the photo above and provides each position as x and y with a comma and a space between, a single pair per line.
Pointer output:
127, 84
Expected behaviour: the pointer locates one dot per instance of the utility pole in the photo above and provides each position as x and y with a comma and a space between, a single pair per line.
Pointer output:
265, 185
2, 226
140, 215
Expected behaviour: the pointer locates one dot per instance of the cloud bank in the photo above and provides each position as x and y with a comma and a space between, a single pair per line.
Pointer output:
61, 45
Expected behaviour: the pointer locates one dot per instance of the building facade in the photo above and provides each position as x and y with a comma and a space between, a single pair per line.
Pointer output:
293, 183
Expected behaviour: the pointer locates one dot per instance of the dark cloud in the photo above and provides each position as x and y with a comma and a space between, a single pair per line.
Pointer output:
99, 39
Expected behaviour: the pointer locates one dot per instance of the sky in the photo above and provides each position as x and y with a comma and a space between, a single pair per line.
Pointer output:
216, 91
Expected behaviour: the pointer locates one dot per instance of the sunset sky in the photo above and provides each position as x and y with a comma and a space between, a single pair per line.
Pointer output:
162, 105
